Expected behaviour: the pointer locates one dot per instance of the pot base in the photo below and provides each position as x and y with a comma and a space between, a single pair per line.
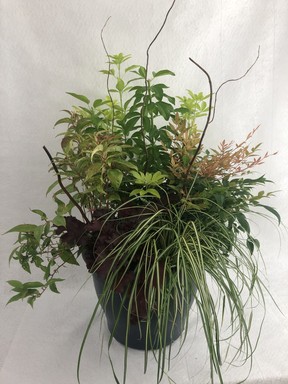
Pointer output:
135, 336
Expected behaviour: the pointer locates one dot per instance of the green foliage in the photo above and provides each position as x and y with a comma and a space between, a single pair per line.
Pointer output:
132, 149
188, 249
31, 290
38, 246
133, 131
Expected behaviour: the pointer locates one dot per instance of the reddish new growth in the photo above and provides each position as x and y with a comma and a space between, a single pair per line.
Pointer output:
231, 159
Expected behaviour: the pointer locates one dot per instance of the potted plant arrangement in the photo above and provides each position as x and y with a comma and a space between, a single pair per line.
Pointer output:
158, 218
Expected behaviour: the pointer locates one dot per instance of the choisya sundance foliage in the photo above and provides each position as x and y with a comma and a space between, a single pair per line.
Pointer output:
147, 211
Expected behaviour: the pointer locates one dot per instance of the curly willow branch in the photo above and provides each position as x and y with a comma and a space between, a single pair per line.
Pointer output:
208, 116
230, 80
63, 187
146, 77
155, 38
208, 120
109, 67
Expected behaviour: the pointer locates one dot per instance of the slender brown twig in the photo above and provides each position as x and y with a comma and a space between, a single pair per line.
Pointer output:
146, 78
109, 68
63, 187
208, 120
229, 81
155, 38
208, 116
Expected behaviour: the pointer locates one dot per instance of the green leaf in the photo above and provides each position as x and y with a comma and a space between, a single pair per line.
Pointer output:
123, 164
272, 210
66, 143
139, 176
259, 180
170, 99
60, 206
136, 192
15, 283
157, 178
150, 108
163, 72
256, 242
33, 284
23, 228
46, 232
131, 123
108, 72
164, 109
243, 222
31, 300
98, 148
251, 243
120, 85
153, 192
131, 67
203, 106
79, 97
145, 192
53, 287
87, 111
158, 91
15, 298
40, 213
142, 71
55, 280
97, 103
38, 231
220, 198
250, 246
115, 176
93, 170
59, 221
182, 110
62, 121
52, 186
26, 267
68, 257
96, 120
157, 86
114, 148
114, 197
119, 58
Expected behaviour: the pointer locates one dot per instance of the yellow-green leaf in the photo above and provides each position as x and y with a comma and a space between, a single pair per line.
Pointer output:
23, 228
120, 85
93, 170
163, 72
115, 176
153, 192
79, 97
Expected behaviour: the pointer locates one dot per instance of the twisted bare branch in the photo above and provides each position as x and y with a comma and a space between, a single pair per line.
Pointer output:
146, 79
109, 68
155, 38
229, 81
63, 187
208, 116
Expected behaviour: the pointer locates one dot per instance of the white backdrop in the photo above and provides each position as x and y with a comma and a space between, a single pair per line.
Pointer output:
50, 47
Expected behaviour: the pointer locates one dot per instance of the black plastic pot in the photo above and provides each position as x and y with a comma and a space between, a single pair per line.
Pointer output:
116, 313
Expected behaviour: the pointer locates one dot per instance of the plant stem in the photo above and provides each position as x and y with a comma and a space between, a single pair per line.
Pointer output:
155, 38
147, 82
208, 116
108, 76
209, 121
229, 81
63, 187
